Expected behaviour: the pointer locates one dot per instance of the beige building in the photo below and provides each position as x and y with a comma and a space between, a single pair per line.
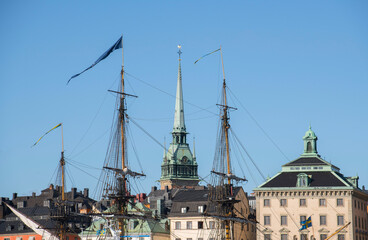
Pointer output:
192, 217
311, 187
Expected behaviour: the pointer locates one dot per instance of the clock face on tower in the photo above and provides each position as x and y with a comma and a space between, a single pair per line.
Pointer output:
184, 159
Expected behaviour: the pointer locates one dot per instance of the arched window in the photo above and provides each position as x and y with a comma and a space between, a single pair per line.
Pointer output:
309, 147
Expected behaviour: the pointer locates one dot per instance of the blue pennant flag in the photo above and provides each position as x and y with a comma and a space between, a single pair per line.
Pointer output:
117, 45
306, 224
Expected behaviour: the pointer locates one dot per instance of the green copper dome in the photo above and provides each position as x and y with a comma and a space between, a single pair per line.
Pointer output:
309, 134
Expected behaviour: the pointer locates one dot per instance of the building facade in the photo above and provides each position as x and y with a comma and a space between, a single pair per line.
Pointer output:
311, 187
193, 217
179, 166
41, 209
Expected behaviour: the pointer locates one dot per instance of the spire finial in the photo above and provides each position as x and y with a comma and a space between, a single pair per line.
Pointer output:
179, 52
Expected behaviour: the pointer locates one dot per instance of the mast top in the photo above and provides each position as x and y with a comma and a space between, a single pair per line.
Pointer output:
179, 52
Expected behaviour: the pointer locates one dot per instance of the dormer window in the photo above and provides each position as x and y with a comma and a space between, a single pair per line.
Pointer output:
184, 210
302, 180
201, 209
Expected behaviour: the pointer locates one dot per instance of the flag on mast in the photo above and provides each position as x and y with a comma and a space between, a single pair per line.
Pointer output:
46, 133
207, 55
117, 45
306, 224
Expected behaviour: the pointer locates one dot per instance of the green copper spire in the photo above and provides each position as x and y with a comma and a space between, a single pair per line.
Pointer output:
310, 143
179, 124
179, 167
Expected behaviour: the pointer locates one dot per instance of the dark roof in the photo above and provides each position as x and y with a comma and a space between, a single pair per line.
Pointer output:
191, 199
318, 179
191, 195
309, 161
46, 223
31, 212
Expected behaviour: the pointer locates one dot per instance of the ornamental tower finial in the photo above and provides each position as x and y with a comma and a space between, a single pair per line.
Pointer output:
310, 143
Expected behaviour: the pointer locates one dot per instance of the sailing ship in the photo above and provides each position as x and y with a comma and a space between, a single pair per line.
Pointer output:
119, 220
221, 193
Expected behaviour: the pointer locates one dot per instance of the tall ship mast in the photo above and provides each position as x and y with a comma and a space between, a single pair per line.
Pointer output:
116, 172
222, 177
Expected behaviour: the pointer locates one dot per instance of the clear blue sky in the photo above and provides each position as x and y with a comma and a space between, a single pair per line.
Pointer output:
290, 63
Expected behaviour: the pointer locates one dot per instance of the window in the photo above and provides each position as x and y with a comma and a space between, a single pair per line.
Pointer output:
200, 209
177, 225
200, 238
340, 202
212, 225
267, 220
6, 238
303, 237
303, 202
19, 238
303, 218
189, 225
32, 238
302, 180
340, 220
283, 220
20, 227
177, 238
200, 225
322, 220
341, 237
183, 210
322, 202
189, 238
323, 236
267, 237
284, 237
283, 202
266, 202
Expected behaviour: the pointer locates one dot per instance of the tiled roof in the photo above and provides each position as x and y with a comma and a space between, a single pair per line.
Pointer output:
308, 161
318, 179
191, 199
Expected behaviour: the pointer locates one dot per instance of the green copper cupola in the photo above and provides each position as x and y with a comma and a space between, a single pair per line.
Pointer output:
310, 143
179, 166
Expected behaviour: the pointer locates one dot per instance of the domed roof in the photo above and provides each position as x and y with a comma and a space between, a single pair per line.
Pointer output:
310, 134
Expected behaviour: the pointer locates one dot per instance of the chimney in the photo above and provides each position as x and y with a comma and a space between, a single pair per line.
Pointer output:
154, 188
33, 194
86, 192
74, 193
15, 195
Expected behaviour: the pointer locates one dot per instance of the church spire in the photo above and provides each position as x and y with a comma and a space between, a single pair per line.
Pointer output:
179, 124
179, 167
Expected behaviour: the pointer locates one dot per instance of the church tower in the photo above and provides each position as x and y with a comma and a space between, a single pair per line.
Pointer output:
179, 167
